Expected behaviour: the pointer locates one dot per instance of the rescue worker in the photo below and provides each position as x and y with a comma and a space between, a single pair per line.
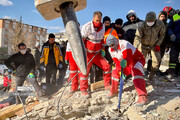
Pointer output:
149, 37
93, 34
118, 28
51, 58
131, 25
165, 45
123, 51
24, 64
73, 69
174, 33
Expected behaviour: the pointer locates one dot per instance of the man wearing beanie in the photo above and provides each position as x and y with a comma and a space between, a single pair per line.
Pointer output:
118, 28
126, 55
131, 25
166, 43
148, 39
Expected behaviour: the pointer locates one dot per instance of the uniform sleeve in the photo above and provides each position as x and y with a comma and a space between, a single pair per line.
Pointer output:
161, 34
138, 37
60, 54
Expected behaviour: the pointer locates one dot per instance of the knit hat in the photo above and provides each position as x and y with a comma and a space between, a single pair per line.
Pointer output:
111, 40
106, 18
150, 16
119, 21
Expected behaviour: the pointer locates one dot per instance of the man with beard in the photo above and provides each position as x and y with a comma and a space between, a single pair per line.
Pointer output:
131, 25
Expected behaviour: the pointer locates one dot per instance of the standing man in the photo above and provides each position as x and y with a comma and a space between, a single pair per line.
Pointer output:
52, 59
165, 45
118, 28
24, 64
93, 37
125, 54
131, 25
174, 33
149, 37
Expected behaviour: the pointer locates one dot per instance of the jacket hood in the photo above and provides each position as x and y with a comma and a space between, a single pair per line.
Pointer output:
131, 12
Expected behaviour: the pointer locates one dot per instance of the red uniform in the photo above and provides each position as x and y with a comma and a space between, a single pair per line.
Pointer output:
135, 62
93, 40
73, 68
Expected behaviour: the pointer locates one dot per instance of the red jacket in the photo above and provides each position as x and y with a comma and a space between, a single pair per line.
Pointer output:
128, 52
93, 39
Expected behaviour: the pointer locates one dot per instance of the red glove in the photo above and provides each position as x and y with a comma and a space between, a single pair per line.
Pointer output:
157, 48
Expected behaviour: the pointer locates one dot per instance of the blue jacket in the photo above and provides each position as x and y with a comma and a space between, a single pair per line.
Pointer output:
174, 27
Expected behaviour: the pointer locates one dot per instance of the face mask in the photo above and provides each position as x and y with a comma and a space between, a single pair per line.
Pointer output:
97, 25
23, 52
150, 24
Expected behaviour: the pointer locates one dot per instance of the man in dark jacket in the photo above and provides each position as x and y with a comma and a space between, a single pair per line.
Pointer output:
131, 25
24, 64
174, 33
165, 45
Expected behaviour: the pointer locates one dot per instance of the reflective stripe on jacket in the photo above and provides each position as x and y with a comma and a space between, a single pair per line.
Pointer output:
45, 53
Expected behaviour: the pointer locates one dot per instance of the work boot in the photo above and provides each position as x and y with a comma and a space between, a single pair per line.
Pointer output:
111, 95
85, 94
143, 100
73, 91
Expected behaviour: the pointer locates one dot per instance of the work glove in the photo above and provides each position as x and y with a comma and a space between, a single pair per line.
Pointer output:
31, 75
157, 48
123, 63
173, 37
103, 53
60, 65
66, 61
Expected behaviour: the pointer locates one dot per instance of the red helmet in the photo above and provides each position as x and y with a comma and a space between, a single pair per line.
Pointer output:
167, 9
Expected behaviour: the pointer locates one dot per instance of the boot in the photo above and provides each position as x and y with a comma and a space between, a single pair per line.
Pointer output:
85, 94
143, 100
111, 95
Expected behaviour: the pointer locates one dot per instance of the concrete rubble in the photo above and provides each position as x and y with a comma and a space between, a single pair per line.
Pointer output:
163, 104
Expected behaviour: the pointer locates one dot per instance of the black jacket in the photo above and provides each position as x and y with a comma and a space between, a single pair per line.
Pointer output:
23, 64
130, 29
